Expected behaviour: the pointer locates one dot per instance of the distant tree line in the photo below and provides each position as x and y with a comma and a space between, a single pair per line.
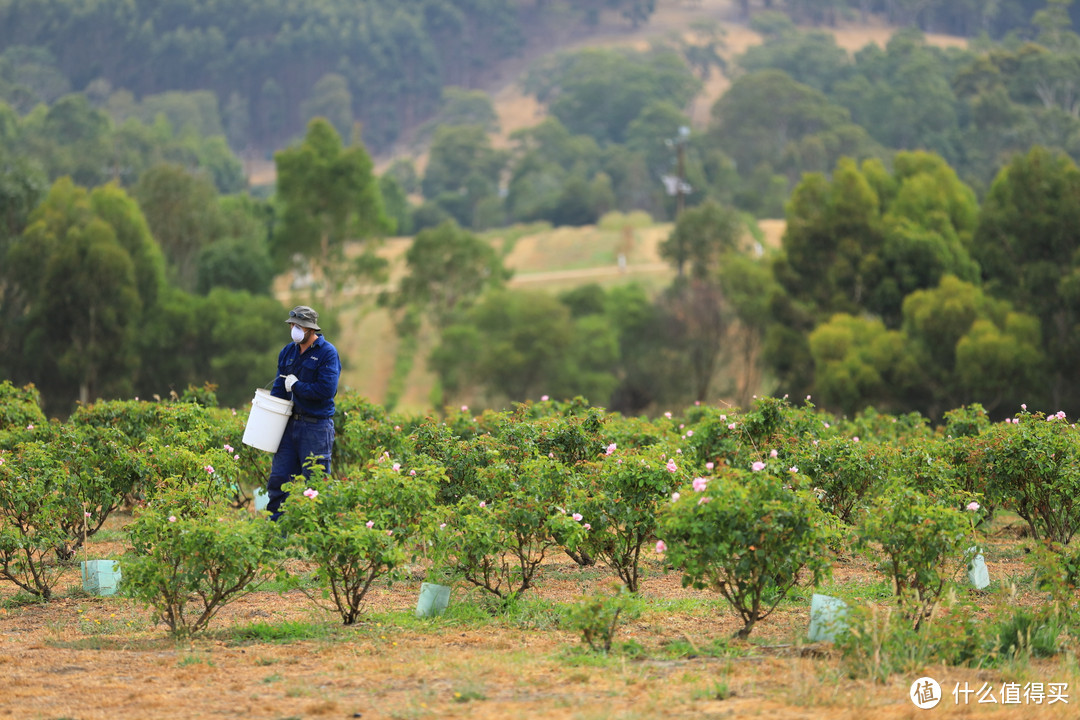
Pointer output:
966, 18
272, 66
112, 292
797, 104
975, 107
73, 138
165, 286
893, 288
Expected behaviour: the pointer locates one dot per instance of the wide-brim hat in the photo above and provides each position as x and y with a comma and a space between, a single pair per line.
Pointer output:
304, 316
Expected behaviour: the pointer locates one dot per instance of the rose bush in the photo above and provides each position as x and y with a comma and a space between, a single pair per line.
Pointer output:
748, 537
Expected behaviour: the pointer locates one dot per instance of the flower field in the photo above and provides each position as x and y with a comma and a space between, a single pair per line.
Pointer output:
601, 566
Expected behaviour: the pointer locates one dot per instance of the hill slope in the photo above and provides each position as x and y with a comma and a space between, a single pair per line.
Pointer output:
517, 110
549, 259
560, 258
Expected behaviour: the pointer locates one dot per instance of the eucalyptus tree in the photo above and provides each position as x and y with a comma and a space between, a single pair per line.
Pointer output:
463, 169
1028, 246
87, 267
329, 197
859, 244
766, 120
181, 208
447, 269
599, 92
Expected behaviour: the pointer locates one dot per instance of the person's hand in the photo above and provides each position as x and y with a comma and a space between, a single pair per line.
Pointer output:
289, 382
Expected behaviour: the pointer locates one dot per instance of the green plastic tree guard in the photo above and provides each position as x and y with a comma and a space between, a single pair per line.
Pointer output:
977, 573
433, 599
828, 618
100, 577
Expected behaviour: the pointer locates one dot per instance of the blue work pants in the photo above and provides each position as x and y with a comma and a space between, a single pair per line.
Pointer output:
302, 439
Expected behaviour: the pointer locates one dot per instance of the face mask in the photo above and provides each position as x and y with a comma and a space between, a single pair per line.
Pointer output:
298, 334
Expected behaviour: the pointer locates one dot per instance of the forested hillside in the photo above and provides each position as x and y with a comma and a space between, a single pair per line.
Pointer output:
918, 271
271, 65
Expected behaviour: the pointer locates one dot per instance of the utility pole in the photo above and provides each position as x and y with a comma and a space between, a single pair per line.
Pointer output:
680, 154
677, 185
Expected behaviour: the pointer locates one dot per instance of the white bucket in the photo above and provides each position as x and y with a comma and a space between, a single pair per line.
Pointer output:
266, 421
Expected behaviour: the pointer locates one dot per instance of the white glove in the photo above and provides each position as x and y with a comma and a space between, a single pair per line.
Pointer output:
289, 382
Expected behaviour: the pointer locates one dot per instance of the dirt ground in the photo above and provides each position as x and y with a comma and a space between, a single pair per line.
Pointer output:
86, 657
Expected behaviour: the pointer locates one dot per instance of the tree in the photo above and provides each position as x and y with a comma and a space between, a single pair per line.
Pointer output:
329, 196
705, 54
855, 363
637, 12
235, 263
123, 214
70, 138
768, 119
812, 59
331, 99
238, 121
928, 220
831, 248
859, 244
226, 338
651, 134
599, 92
181, 209
397, 205
701, 236
518, 345
22, 185
83, 305
747, 285
458, 153
697, 319
272, 109
969, 347
240, 258
1027, 244
902, 95
650, 367
547, 156
463, 171
1054, 24
461, 106
448, 268
869, 237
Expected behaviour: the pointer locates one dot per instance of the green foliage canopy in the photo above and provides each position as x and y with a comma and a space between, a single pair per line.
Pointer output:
599, 92
328, 196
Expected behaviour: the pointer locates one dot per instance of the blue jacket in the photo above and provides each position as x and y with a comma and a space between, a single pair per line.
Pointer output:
317, 372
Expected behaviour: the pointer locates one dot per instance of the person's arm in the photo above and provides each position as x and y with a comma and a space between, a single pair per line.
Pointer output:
325, 385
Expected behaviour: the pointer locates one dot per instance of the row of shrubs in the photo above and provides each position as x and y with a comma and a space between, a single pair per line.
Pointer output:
750, 503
